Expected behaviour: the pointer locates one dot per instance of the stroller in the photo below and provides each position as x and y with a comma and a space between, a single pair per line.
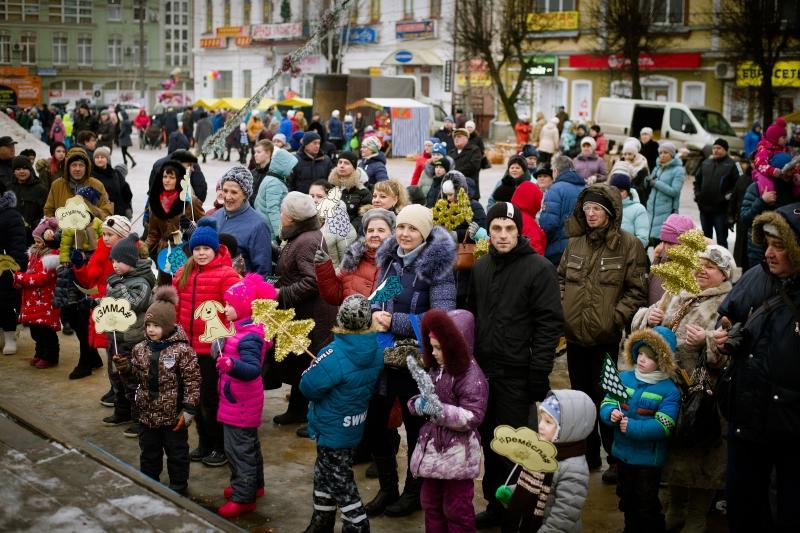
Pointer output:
153, 136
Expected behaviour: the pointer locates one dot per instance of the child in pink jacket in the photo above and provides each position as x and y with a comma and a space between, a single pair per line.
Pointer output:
772, 160
241, 394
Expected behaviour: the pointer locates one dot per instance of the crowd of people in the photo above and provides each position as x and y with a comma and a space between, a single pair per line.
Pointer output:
324, 230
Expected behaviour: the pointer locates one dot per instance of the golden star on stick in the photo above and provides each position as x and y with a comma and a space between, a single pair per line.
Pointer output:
291, 336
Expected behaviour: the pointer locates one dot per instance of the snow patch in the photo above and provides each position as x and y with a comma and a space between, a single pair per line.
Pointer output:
67, 520
142, 506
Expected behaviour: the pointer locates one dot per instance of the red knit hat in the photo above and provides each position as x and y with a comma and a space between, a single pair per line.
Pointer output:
776, 130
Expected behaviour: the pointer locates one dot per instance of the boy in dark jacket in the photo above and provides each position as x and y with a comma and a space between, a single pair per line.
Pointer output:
164, 368
339, 384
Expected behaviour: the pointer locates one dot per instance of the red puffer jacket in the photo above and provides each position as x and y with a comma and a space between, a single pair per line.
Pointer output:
358, 274
38, 284
528, 198
205, 283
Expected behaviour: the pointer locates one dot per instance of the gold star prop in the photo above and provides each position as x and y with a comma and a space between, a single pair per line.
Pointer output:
677, 274
291, 336
452, 215
8, 263
481, 248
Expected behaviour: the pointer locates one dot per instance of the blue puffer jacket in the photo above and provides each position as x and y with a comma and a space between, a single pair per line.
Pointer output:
665, 196
652, 411
559, 203
375, 167
339, 384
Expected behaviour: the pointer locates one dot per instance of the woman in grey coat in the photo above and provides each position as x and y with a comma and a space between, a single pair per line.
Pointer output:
202, 131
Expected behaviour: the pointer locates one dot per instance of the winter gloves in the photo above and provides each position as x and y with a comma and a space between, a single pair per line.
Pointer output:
184, 421
538, 387
321, 256
77, 258
91, 194
422, 407
476, 233
224, 365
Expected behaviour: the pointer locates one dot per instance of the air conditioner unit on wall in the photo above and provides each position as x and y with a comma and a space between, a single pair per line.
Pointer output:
724, 71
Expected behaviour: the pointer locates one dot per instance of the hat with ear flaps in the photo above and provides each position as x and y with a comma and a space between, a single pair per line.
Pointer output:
661, 340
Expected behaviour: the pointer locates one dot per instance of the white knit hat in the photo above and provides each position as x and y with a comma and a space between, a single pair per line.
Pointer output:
590, 141
631, 146
298, 206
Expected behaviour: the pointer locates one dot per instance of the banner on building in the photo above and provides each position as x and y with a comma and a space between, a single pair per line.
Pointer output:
543, 67
213, 42
414, 31
679, 61
785, 74
276, 32
24, 91
360, 35
232, 31
554, 21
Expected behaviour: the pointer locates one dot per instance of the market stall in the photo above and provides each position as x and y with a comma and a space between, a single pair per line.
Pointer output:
408, 121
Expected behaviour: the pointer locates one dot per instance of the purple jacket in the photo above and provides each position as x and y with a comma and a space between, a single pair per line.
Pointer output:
591, 166
241, 391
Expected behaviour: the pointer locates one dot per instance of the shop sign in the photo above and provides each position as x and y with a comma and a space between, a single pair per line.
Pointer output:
14, 71
23, 91
403, 56
555, 21
46, 71
231, 31
476, 79
243, 42
213, 42
679, 61
360, 35
414, 31
784, 74
448, 76
543, 67
375, 71
276, 32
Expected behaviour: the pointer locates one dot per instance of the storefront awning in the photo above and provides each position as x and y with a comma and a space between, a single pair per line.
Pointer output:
413, 57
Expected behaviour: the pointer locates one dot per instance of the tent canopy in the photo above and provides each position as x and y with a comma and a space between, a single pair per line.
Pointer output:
206, 103
296, 102
380, 103
265, 104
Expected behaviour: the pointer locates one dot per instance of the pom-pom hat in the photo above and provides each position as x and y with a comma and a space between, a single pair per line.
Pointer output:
240, 295
205, 235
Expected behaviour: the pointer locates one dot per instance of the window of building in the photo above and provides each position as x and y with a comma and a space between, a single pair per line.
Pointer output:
666, 11
209, 16
137, 59
140, 11
247, 11
694, 93
5, 48
176, 33
436, 9
19, 10
115, 10
223, 86
548, 6
581, 102
115, 50
266, 16
408, 9
425, 85
226, 13
247, 83
74, 11
84, 50
374, 10
735, 104
60, 47
28, 45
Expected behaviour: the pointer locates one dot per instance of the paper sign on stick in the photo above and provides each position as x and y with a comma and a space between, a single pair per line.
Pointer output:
113, 315
524, 447
209, 312
74, 214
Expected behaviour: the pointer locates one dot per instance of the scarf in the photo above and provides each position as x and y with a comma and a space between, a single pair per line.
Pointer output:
650, 377
167, 199
410, 256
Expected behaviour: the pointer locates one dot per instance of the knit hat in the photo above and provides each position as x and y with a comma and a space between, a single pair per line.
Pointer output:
443, 162
309, 137
623, 167
350, 156
721, 142
127, 250
102, 150
776, 130
551, 406
205, 235
505, 210
162, 311
439, 148
469, 125
119, 224
355, 313
722, 259
668, 147
631, 146
372, 143
517, 160
77, 153
298, 206
122, 170
241, 295
418, 216
602, 200
544, 171
590, 141
620, 181
529, 150
379, 213
279, 137
646, 131
45, 224
778, 160
21, 161
661, 340
241, 177
674, 227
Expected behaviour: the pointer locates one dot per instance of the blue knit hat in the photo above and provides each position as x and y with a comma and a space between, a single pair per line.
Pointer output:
440, 148
205, 235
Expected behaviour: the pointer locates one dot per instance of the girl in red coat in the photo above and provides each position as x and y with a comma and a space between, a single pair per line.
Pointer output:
528, 198
38, 284
206, 276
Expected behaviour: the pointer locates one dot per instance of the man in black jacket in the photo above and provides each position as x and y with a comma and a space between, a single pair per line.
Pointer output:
467, 157
515, 298
312, 165
713, 188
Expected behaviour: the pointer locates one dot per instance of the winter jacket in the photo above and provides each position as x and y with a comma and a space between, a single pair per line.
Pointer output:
666, 183
167, 377
763, 169
528, 198
449, 446
12, 244
118, 190
751, 139
335, 130
162, 225
64, 188
536, 129
177, 141
126, 128
652, 411
38, 284
714, 183
467, 161
273, 190
650, 152
602, 145
207, 282
31, 197
358, 274
568, 137
252, 236
593, 165
46, 176
202, 131
635, 219
419, 166
86, 240
142, 121
602, 274
522, 130
196, 179
375, 167
57, 131
297, 282
559, 203
339, 384
308, 171
354, 194
752, 206
135, 287
241, 390
518, 317
549, 138
504, 189
106, 133
639, 181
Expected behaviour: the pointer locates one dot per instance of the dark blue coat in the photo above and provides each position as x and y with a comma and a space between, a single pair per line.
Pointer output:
559, 203
375, 167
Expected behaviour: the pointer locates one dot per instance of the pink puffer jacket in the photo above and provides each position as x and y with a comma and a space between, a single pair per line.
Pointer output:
241, 391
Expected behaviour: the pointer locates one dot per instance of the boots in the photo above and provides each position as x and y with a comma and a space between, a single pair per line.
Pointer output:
323, 526
388, 493
409, 501
10, 346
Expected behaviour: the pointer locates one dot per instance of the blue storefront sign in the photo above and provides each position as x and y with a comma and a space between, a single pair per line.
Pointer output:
361, 35
403, 56
45, 71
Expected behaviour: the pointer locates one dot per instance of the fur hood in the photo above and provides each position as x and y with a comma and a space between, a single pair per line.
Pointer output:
448, 328
354, 254
434, 261
8, 200
354, 180
577, 225
299, 227
663, 352
787, 221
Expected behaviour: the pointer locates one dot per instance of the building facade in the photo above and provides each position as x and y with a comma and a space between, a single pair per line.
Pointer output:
90, 50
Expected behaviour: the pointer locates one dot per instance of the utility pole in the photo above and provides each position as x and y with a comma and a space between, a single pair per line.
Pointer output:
141, 51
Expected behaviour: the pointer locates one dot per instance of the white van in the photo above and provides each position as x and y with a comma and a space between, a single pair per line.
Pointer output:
696, 128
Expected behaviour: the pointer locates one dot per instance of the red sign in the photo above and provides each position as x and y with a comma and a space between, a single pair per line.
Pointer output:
684, 61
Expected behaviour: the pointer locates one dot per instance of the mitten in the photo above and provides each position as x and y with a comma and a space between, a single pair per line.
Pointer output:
184, 421
224, 365
91, 194
428, 409
419, 406
321, 256
77, 258
472, 229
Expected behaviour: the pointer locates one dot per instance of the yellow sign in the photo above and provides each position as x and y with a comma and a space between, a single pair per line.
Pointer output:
476, 79
555, 21
232, 31
524, 447
785, 74
375, 71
